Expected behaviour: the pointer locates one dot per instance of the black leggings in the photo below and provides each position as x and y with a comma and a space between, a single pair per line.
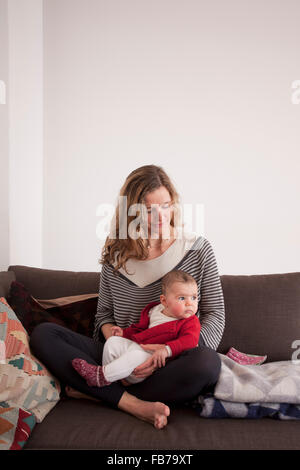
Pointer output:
193, 372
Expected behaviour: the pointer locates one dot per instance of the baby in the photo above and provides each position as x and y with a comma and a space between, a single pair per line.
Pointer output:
165, 329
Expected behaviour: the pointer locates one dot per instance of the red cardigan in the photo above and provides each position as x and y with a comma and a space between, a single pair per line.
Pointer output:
178, 334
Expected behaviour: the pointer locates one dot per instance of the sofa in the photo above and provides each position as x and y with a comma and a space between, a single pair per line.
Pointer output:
262, 318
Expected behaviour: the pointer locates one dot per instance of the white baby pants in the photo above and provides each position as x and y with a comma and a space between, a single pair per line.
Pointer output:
120, 357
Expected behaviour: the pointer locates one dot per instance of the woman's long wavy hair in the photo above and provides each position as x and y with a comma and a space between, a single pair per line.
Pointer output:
137, 185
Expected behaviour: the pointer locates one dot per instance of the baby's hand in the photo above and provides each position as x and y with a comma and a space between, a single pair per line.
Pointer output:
159, 357
116, 331
160, 353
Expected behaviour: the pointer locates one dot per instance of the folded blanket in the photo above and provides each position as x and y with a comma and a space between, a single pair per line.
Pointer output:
253, 391
210, 407
273, 382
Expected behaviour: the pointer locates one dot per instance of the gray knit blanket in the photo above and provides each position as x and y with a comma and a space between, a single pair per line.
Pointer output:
254, 391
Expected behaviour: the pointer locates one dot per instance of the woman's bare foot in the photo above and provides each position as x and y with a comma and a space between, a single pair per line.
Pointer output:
72, 393
159, 412
155, 413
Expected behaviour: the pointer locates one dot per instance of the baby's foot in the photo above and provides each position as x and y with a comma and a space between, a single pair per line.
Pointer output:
93, 375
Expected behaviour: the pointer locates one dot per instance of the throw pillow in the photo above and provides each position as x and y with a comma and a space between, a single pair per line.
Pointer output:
16, 426
77, 315
24, 381
48, 303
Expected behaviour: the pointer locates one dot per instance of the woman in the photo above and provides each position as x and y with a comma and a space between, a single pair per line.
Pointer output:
130, 279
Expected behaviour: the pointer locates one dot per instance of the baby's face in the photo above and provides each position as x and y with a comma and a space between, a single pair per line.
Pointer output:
181, 300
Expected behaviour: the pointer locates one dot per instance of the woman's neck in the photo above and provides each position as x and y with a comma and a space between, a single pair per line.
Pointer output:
157, 246
160, 241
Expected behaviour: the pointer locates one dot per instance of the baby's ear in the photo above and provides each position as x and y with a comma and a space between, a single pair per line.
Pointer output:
163, 300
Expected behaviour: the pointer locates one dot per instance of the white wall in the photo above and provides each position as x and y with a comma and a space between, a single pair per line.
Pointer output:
201, 88
25, 48
4, 149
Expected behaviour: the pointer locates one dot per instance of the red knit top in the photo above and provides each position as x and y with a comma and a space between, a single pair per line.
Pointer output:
178, 334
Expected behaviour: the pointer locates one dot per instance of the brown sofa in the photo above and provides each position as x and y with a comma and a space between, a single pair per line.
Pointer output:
262, 317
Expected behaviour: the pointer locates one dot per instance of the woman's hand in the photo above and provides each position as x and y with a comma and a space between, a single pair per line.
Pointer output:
116, 331
158, 359
106, 330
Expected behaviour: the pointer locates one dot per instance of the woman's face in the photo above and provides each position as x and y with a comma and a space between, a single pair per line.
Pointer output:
159, 210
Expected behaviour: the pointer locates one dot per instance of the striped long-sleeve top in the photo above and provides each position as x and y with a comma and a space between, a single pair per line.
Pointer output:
122, 297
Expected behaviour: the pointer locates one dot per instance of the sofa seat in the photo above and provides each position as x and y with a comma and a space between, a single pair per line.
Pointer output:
69, 426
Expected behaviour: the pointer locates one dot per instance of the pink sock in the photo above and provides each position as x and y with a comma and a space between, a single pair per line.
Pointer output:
92, 374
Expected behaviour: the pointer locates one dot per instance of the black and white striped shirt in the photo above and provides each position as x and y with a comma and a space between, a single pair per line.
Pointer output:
121, 300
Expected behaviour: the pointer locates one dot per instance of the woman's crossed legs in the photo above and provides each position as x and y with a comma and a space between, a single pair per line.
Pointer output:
182, 379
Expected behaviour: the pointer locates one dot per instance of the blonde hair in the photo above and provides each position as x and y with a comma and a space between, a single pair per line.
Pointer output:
175, 276
137, 185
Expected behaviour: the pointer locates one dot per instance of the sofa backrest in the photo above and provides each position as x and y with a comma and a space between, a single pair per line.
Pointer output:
262, 315
51, 283
262, 311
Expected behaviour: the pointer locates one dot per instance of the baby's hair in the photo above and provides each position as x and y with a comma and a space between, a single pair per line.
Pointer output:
175, 276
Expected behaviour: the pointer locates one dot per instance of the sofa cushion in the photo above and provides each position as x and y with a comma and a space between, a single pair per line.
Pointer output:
6, 278
24, 380
78, 314
85, 424
262, 314
48, 303
52, 283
